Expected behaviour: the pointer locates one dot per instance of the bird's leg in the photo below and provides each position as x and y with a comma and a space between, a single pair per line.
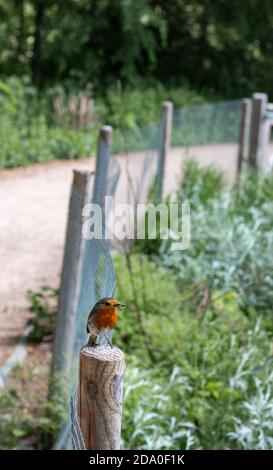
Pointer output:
92, 341
108, 341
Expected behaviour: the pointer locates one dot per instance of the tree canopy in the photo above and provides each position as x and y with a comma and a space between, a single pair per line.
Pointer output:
222, 45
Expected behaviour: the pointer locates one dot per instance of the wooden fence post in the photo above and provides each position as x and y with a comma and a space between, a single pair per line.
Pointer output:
100, 392
164, 144
257, 128
102, 164
244, 135
74, 251
71, 274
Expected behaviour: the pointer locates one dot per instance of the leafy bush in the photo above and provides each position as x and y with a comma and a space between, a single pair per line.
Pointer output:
198, 391
208, 408
31, 132
150, 283
205, 379
43, 305
231, 239
29, 418
135, 113
206, 367
131, 108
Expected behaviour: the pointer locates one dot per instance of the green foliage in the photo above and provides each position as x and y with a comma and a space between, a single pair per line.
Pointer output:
130, 108
29, 419
223, 46
256, 191
206, 369
28, 132
196, 185
33, 404
231, 238
208, 408
134, 113
200, 186
43, 306
231, 248
104, 40
207, 316
150, 283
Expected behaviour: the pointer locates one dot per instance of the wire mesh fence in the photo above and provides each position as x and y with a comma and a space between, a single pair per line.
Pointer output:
206, 124
192, 125
140, 169
137, 139
96, 279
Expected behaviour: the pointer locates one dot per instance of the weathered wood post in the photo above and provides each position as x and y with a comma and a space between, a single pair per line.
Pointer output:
257, 128
100, 392
71, 273
164, 145
244, 135
267, 156
102, 165
75, 245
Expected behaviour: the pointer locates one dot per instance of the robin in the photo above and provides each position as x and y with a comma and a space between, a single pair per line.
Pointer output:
102, 318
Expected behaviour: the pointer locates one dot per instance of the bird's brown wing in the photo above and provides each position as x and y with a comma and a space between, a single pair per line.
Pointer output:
91, 314
87, 328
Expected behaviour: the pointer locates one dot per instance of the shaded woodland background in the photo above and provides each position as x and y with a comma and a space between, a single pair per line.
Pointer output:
222, 47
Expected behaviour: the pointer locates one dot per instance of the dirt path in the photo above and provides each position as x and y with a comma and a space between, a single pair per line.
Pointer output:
33, 211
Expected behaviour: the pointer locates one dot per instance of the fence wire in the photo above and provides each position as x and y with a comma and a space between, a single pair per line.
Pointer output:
207, 123
97, 280
200, 124
142, 144
97, 277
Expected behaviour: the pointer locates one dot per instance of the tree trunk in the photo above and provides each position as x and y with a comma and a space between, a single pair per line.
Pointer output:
37, 45
21, 30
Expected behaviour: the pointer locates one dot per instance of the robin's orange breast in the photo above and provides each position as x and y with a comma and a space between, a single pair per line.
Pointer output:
106, 319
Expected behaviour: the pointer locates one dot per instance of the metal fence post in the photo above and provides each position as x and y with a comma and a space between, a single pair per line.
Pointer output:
164, 144
257, 129
244, 135
70, 277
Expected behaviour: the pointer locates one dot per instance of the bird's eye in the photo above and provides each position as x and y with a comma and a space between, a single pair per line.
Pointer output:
107, 303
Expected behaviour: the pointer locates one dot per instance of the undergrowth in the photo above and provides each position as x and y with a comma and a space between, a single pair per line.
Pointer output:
32, 132
207, 314
30, 418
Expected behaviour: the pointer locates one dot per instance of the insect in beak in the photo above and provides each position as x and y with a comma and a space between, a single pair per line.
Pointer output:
120, 306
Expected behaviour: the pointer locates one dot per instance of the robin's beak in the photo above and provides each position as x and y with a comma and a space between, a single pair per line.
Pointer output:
120, 306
